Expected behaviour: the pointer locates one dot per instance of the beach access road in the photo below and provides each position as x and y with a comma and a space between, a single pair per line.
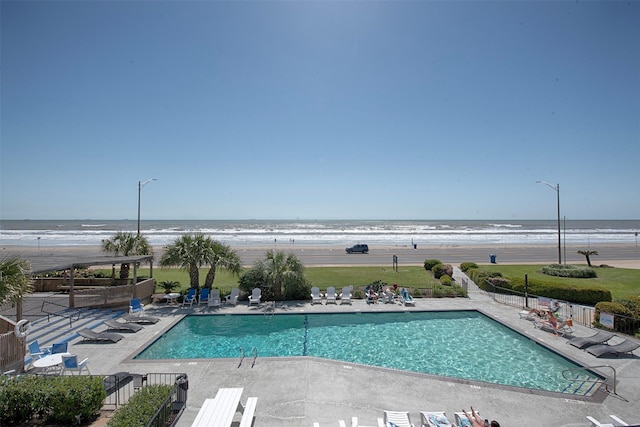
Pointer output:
615, 255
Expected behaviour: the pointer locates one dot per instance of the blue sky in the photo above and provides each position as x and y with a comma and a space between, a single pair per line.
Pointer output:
320, 110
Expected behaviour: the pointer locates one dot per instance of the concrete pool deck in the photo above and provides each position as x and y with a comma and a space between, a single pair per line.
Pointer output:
301, 391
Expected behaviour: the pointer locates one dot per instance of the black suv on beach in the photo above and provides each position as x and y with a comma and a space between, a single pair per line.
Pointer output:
358, 249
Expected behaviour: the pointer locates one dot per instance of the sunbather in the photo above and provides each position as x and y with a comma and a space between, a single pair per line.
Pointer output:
477, 421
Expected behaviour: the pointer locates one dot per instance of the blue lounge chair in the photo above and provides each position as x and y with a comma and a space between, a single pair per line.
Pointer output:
37, 352
406, 297
135, 306
59, 347
204, 296
70, 363
190, 297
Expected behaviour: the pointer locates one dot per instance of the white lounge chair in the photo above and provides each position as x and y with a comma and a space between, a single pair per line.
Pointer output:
555, 326
395, 419
331, 295
316, 297
232, 298
435, 419
214, 298
462, 420
256, 294
345, 295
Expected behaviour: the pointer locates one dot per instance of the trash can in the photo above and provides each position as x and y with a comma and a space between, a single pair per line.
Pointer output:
183, 386
415, 246
493, 258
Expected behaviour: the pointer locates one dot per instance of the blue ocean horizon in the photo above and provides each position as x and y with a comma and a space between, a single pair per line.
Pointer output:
325, 232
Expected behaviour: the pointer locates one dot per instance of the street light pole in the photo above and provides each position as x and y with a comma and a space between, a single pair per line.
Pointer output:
556, 188
140, 185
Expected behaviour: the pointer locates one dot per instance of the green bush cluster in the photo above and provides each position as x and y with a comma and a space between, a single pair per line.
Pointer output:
142, 406
429, 263
440, 270
446, 280
573, 271
62, 400
629, 309
466, 266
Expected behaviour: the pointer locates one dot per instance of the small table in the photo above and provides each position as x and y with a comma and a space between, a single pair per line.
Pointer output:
50, 360
172, 298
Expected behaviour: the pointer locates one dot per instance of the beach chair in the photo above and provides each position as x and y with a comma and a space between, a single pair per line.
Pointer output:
345, 295
254, 298
623, 347
190, 297
232, 298
406, 297
435, 419
316, 297
331, 295
135, 306
214, 298
114, 325
552, 324
204, 296
395, 419
462, 420
599, 337
70, 364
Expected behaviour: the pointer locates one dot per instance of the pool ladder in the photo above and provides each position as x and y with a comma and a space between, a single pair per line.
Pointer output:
600, 381
254, 353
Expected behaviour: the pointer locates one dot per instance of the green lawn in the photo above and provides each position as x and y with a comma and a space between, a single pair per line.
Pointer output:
622, 282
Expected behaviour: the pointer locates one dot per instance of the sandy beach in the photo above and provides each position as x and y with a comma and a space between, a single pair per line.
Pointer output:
614, 255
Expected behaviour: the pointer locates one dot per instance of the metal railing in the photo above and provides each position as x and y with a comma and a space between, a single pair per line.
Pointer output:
598, 381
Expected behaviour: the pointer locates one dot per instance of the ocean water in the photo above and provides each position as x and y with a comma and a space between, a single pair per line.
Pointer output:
322, 232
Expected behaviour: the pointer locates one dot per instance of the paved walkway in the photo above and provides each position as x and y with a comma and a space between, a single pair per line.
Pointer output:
301, 391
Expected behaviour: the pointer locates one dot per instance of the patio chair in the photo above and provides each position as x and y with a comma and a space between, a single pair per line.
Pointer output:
204, 296
190, 297
435, 419
114, 325
214, 298
136, 306
256, 294
70, 364
232, 298
90, 335
625, 346
345, 295
316, 297
59, 347
561, 328
331, 295
396, 419
37, 352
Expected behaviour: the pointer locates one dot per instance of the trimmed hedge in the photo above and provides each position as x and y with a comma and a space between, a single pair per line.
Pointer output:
446, 280
141, 407
573, 271
58, 400
466, 266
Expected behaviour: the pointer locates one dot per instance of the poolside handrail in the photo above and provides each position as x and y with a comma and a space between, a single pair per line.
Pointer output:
585, 368
241, 356
254, 351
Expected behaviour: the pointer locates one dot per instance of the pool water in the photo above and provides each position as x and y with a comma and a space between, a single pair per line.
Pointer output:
459, 344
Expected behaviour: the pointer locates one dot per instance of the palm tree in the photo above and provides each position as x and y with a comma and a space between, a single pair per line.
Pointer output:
284, 272
189, 252
127, 244
221, 257
14, 282
588, 254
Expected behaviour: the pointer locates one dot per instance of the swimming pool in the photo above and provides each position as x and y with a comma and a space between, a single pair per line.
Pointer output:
458, 344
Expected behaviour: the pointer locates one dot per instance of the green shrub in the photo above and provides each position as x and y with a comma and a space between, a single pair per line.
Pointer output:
60, 400
141, 407
573, 271
429, 263
446, 280
466, 266
621, 324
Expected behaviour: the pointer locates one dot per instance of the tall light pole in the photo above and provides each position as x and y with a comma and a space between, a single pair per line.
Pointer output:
556, 188
140, 185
